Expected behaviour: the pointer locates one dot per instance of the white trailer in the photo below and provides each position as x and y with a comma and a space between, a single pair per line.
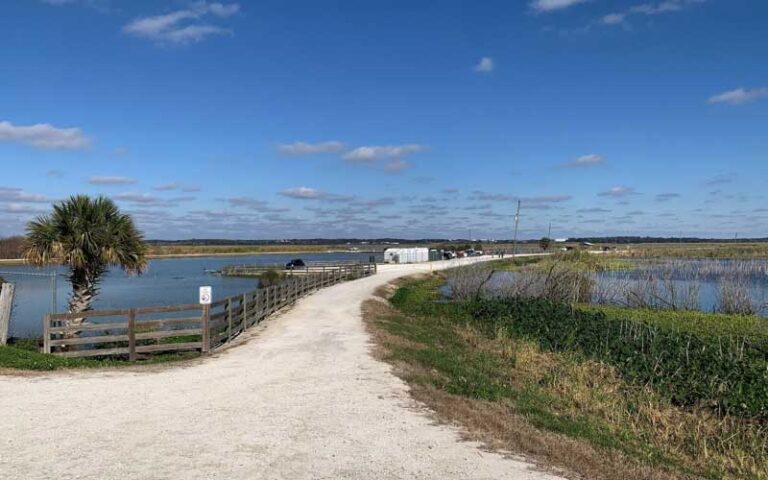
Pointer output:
406, 255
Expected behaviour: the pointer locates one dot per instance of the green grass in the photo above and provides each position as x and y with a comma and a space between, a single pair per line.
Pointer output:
567, 392
26, 356
701, 323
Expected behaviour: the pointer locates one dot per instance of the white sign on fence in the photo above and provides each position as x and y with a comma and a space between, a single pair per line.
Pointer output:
206, 294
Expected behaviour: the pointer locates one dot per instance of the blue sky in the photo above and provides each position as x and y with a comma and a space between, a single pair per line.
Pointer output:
276, 119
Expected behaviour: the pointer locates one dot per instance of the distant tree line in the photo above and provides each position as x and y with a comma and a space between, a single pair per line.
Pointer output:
631, 239
12, 247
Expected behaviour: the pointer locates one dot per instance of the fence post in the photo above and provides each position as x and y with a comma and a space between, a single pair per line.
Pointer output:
229, 319
47, 333
6, 303
132, 335
245, 311
206, 333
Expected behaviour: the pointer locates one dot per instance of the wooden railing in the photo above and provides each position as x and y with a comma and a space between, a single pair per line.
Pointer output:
134, 332
309, 267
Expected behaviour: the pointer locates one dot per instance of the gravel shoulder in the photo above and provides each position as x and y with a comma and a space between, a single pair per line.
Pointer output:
301, 399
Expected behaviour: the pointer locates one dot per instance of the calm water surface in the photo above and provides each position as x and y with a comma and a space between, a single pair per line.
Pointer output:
170, 281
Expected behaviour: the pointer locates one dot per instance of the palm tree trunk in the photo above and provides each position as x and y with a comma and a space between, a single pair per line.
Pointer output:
84, 288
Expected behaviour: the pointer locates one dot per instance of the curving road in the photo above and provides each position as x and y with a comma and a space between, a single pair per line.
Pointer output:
303, 399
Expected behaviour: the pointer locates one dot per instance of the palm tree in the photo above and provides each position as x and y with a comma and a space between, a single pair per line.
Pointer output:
89, 235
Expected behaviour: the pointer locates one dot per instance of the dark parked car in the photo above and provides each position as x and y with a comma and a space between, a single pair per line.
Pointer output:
295, 263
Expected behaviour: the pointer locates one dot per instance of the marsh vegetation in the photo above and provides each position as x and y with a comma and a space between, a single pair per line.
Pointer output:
607, 367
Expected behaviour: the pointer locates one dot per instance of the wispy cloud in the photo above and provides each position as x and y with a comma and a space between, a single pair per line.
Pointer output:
110, 180
481, 196
101, 5
245, 202
17, 208
586, 161
164, 187
650, 8
593, 210
137, 197
485, 65
618, 192
303, 148
43, 135
183, 26
544, 6
10, 194
740, 96
396, 166
665, 197
721, 179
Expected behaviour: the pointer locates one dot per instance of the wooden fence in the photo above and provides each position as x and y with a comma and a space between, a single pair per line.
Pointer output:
133, 332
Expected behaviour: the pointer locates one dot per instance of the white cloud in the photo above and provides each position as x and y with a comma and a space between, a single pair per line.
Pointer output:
542, 6
614, 18
303, 193
164, 187
136, 197
110, 180
485, 65
9, 194
739, 96
618, 192
43, 135
302, 148
370, 154
586, 161
182, 26
18, 208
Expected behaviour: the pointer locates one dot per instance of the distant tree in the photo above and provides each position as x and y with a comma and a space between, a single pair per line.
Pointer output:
545, 243
88, 235
478, 246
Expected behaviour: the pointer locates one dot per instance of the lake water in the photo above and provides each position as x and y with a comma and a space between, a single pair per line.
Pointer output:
170, 281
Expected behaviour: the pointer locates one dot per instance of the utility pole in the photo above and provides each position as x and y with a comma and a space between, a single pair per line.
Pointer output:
549, 231
517, 222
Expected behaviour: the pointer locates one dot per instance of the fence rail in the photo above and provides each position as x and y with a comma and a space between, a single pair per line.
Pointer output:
133, 332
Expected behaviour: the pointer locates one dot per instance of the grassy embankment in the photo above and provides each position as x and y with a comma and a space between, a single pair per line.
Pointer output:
606, 392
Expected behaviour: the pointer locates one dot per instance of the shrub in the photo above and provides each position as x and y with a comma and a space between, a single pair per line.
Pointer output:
269, 278
726, 372
468, 282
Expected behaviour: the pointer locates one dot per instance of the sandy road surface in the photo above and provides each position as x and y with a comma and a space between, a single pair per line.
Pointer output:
303, 400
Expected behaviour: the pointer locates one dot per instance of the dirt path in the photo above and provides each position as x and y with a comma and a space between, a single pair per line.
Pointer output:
304, 400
